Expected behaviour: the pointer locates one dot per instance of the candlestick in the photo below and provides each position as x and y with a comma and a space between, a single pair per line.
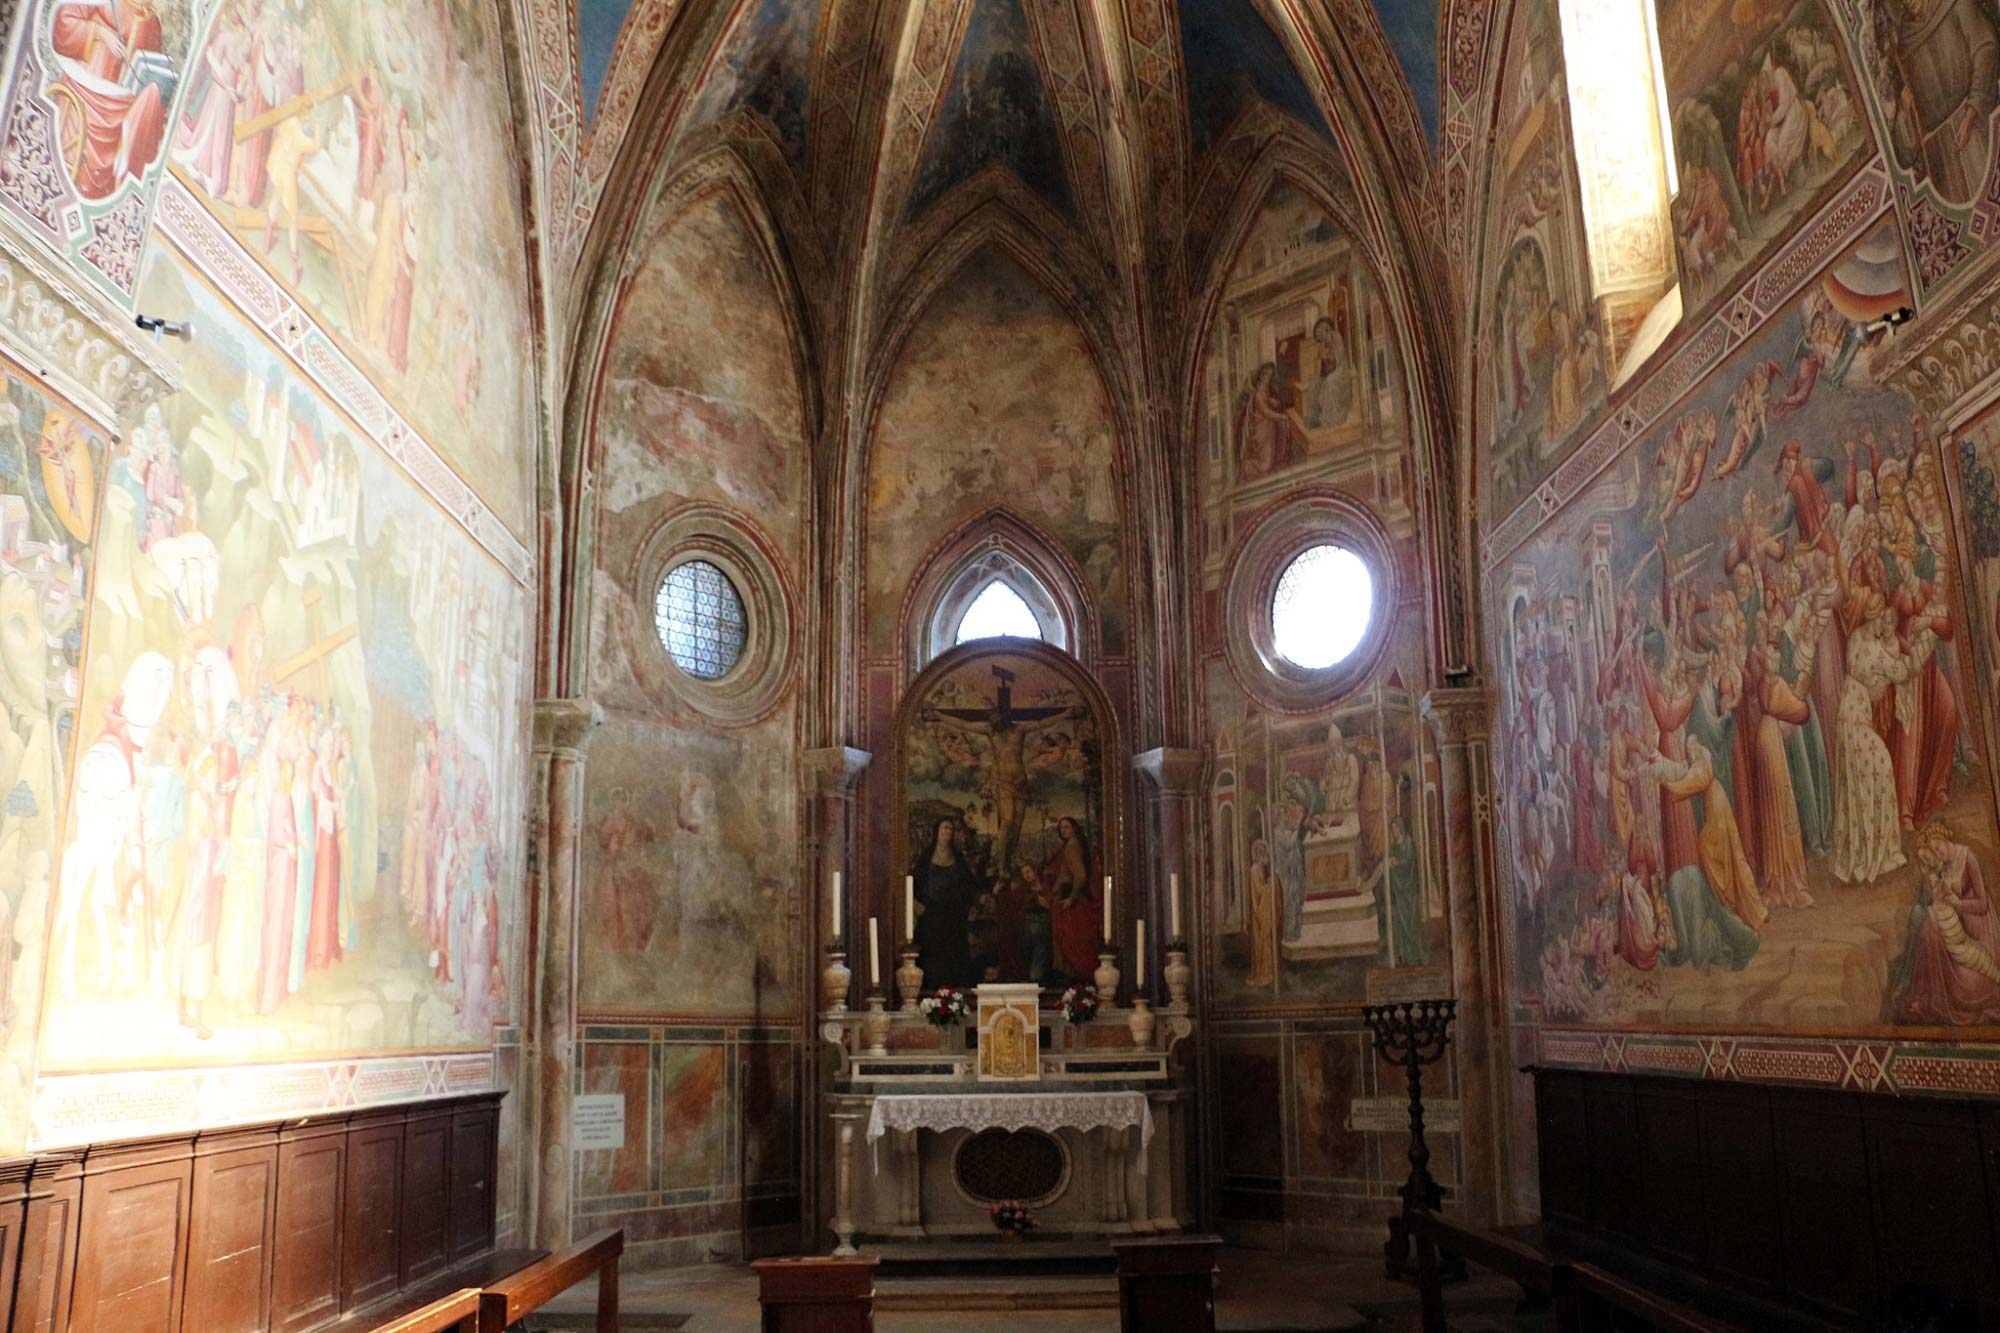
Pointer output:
1174, 906
909, 907
874, 953
1139, 964
1107, 909
836, 904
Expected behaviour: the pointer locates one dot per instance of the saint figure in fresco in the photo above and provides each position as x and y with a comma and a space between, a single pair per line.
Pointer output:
1263, 918
946, 889
111, 89
1071, 875
1941, 62
1948, 973
1329, 379
1270, 436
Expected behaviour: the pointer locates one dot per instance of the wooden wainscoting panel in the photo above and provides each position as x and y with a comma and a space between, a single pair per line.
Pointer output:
1933, 1222
1674, 1220
475, 1147
231, 1236
1828, 1232
426, 1230
1739, 1185
1560, 1118
133, 1250
13, 1221
312, 1177
370, 1263
48, 1244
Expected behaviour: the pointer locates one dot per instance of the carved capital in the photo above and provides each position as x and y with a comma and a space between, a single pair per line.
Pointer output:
1172, 772
831, 770
563, 726
1459, 716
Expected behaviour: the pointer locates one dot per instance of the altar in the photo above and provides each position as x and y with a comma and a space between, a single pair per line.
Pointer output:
1093, 1138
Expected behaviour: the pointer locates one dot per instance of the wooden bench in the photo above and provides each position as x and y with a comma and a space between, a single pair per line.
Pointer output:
505, 1302
456, 1313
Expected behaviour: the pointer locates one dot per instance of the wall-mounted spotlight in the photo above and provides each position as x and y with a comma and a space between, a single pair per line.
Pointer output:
165, 328
1890, 322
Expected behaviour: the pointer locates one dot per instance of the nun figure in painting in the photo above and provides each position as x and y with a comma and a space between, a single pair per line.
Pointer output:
946, 889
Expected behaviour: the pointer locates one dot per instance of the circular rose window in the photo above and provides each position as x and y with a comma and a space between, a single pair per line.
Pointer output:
1322, 607
700, 619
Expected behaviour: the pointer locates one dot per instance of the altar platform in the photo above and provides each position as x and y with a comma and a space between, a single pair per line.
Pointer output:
927, 1127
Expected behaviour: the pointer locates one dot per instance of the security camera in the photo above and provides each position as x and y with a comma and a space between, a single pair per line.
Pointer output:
165, 328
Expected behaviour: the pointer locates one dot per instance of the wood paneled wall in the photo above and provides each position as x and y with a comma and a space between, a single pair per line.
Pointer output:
1834, 1201
279, 1226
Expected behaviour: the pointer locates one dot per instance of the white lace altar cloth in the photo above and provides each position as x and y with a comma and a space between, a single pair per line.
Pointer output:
1046, 1111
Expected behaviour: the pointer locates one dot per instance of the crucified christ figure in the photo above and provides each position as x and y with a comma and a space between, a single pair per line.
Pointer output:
1005, 730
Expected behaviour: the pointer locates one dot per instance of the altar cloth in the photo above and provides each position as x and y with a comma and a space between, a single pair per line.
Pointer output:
1046, 1111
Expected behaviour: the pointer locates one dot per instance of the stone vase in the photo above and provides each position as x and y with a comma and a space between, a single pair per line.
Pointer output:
1141, 1021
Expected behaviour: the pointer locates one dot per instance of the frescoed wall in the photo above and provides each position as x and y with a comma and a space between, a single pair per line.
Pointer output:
995, 402
690, 822
1765, 113
1541, 370
1321, 844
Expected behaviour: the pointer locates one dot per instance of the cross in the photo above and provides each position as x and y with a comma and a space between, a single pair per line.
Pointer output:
323, 646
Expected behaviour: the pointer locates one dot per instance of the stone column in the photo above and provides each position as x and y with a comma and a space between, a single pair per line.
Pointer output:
562, 730
1173, 791
827, 777
1460, 720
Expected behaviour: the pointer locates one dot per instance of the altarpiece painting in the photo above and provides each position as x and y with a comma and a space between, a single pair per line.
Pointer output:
1008, 818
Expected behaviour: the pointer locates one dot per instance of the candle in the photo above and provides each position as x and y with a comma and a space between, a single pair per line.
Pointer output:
836, 904
1173, 906
874, 953
1107, 911
910, 907
1139, 982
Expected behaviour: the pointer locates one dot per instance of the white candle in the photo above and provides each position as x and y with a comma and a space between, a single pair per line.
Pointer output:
1107, 911
836, 904
910, 907
874, 953
1139, 982
1173, 906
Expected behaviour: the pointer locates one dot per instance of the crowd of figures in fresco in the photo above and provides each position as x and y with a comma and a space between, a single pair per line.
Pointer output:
1738, 709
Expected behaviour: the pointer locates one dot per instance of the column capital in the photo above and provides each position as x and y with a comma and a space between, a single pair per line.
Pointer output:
1172, 772
831, 770
563, 726
1459, 716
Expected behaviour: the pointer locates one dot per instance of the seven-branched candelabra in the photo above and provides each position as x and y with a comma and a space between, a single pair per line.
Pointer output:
1412, 1034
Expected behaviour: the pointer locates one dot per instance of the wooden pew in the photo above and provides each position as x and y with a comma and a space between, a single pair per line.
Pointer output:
456, 1313
505, 1302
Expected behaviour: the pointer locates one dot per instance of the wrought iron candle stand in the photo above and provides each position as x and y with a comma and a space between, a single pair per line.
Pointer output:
1411, 1036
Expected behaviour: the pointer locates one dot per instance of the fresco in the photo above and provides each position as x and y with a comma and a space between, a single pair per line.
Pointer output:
1975, 454
1924, 60
1232, 59
766, 67
690, 872
1413, 36
684, 415
994, 112
1006, 812
1747, 787
294, 821
1541, 365
694, 1083
51, 467
363, 154
995, 401
89, 100
1765, 113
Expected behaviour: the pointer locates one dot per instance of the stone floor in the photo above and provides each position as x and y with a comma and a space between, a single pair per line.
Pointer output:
1258, 1291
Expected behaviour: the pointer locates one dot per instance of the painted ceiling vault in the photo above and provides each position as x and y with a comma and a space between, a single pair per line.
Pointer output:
1103, 113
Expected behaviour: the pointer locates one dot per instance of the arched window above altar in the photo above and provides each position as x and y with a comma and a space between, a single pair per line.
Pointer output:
995, 594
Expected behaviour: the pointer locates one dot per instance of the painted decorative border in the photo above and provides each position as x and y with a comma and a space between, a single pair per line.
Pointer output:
1896, 1067
86, 1108
59, 332
189, 228
1642, 404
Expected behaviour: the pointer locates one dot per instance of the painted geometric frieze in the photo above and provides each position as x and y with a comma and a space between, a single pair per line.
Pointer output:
1901, 1068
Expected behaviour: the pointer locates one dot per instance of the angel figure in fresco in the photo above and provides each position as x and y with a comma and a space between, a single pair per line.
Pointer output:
1751, 408
1682, 458
1006, 730
1269, 435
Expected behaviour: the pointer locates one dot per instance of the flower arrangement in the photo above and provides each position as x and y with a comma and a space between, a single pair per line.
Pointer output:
1079, 1003
1012, 1218
946, 1005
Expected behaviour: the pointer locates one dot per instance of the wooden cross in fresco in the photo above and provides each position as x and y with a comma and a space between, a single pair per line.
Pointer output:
323, 646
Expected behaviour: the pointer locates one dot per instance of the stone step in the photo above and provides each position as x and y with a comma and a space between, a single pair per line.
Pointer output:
1009, 1293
